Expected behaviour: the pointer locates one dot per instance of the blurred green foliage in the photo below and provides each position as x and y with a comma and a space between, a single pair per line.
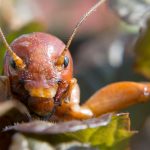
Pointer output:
142, 51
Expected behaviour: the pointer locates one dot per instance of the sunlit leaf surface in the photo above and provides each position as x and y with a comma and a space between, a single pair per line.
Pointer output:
106, 132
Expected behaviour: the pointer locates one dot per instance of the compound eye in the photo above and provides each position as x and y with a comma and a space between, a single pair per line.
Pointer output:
66, 61
13, 64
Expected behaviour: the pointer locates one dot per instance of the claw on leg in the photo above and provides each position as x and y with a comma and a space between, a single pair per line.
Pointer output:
67, 95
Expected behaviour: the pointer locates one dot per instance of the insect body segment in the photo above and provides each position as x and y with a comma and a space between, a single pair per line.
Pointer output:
46, 89
40, 69
41, 77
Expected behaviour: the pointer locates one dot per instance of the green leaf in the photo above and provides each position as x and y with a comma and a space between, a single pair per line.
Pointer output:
142, 52
104, 133
113, 136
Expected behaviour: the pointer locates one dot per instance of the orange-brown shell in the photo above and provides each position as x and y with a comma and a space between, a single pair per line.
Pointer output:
39, 52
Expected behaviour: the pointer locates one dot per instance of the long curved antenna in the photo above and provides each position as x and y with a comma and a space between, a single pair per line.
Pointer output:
84, 17
87, 14
18, 61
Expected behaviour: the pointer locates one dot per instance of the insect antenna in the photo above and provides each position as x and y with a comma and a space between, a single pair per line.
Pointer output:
18, 61
60, 60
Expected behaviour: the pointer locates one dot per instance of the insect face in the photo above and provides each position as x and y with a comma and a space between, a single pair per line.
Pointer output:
39, 67
41, 77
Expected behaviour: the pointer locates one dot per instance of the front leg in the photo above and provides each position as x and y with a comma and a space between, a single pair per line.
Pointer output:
117, 96
72, 110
